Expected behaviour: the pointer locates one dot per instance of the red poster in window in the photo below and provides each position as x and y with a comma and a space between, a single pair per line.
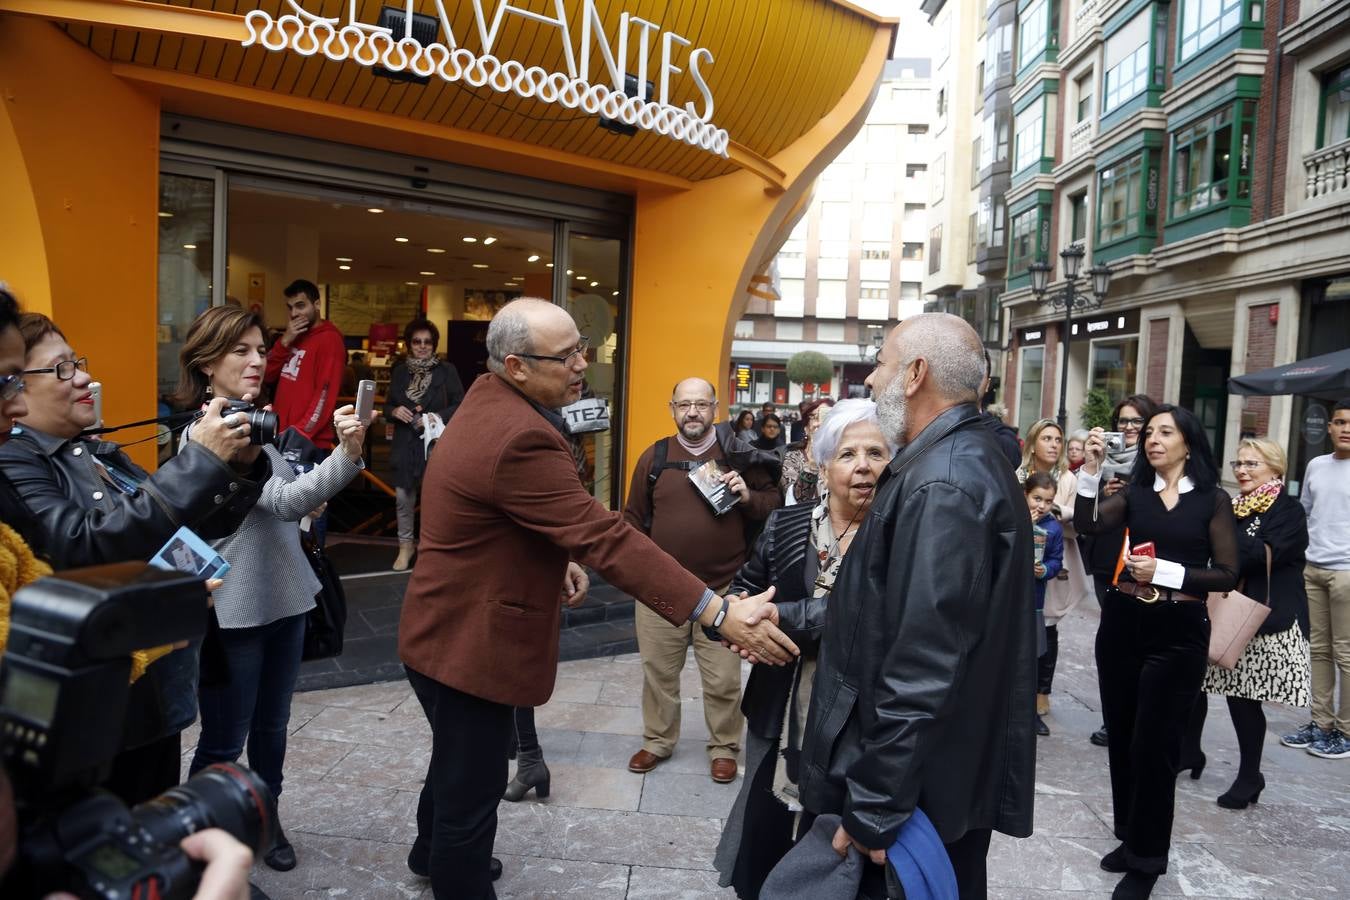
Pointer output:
808, 387
383, 338
780, 395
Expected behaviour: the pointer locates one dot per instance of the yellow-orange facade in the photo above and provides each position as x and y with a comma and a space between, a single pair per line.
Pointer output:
87, 85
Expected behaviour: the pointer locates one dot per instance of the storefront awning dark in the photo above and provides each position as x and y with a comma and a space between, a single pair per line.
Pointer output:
1326, 377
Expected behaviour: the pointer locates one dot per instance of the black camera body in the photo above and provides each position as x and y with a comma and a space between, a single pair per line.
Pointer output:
262, 422
64, 687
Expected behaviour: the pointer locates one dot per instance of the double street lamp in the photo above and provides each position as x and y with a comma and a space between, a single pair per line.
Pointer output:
1069, 299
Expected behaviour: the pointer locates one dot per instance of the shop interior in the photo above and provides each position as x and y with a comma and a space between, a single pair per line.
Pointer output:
379, 263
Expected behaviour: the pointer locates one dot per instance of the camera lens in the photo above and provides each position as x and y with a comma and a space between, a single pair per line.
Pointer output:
220, 796
262, 426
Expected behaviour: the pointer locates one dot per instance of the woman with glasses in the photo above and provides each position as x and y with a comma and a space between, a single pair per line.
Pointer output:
421, 385
1101, 551
1043, 451
799, 553
1153, 641
93, 504
770, 433
1272, 537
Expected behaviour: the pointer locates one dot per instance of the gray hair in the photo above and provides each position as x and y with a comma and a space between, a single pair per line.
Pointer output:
825, 442
508, 333
954, 353
1080, 436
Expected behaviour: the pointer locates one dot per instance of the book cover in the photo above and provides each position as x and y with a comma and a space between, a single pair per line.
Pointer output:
708, 479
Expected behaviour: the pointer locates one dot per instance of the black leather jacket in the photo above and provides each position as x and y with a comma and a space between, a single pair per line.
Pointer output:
924, 695
86, 521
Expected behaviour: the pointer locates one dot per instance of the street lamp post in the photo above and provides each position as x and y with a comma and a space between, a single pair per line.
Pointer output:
870, 341
1070, 299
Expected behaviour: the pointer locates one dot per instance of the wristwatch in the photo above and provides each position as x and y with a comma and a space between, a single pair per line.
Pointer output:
721, 614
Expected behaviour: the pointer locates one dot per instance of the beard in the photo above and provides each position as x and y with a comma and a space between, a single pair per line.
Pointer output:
893, 412
695, 431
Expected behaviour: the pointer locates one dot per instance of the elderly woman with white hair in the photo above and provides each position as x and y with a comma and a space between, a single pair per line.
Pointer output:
799, 553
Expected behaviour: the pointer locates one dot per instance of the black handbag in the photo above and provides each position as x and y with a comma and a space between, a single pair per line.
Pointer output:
327, 621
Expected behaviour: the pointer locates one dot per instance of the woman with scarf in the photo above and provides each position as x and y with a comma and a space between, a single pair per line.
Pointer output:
420, 385
799, 553
1101, 552
1274, 668
1043, 451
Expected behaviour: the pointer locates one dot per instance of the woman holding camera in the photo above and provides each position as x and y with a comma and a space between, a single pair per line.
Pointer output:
1153, 643
419, 385
92, 504
270, 587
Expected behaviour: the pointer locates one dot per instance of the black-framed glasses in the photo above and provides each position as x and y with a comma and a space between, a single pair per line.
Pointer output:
64, 370
1136, 421
11, 386
685, 405
582, 346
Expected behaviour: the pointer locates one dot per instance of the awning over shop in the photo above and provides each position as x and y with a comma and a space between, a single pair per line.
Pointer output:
1326, 377
781, 351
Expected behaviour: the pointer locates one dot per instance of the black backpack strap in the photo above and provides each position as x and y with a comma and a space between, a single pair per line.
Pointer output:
660, 462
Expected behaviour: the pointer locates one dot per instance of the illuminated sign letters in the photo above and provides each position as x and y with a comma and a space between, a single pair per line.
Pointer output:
373, 45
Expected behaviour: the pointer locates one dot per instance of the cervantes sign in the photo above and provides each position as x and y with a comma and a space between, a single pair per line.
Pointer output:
373, 45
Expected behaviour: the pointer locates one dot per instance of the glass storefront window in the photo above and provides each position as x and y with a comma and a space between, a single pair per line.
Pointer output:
1111, 366
186, 252
1029, 385
595, 300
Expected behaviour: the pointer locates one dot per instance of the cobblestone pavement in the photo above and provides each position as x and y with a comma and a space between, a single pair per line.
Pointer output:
358, 754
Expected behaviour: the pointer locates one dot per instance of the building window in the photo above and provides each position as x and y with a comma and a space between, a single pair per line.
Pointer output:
1078, 217
745, 328
834, 221
909, 291
993, 139
1083, 84
1205, 21
876, 250
910, 250
791, 298
938, 183
998, 52
1112, 366
874, 300
997, 228
878, 221
1034, 27
1119, 188
979, 79
1025, 245
914, 215
1334, 114
1211, 161
1127, 78
972, 232
1030, 136
1029, 384
831, 298
830, 331
941, 102
917, 129
915, 170
788, 330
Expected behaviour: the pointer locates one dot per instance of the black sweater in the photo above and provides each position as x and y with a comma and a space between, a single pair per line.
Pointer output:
1284, 528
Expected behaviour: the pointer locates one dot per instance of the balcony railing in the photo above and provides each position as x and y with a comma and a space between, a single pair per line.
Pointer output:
1327, 171
1080, 138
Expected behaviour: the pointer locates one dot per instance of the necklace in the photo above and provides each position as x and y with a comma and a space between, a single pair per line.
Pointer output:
830, 557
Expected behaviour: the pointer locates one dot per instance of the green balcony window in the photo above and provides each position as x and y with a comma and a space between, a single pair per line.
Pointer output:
1033, 33
1205, 21
1030, 142
1026, 245
1334, 114
1212, 160
1120, 188
1126, 79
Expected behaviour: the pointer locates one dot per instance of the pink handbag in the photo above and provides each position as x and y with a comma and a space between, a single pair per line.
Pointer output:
1234, 619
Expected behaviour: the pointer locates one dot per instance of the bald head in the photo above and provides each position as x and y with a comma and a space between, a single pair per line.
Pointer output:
690, 386
534, 345
950, 347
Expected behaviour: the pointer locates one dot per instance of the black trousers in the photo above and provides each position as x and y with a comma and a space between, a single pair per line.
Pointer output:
1151, 662
457, 812
1045, 666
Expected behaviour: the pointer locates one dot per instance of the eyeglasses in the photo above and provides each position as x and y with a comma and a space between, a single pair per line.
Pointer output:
1137, 422
1238, 465
582, 346
422, 342
64, 370
11, 386
701, 405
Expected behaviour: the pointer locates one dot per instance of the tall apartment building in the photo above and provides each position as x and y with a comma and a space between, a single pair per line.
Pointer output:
853, 265
1200, 149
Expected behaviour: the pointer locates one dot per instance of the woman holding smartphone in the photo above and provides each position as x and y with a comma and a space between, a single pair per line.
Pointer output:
262, 605
1153, 642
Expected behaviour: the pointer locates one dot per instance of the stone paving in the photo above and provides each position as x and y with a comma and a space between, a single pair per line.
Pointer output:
358, 754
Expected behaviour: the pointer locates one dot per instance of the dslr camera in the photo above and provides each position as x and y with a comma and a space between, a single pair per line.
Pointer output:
1114, 440
64, 685
262, 422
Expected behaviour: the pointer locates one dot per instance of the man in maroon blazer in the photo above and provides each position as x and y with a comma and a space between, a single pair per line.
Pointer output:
503, 511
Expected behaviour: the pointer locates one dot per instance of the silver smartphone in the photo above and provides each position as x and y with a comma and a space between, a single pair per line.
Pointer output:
365, 401
96, 392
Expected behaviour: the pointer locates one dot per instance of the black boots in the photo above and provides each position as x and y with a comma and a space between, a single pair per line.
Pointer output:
282, 855
1134, 886
531, 772
1244, 791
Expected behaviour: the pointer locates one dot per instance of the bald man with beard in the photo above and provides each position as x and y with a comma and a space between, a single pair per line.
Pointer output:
925, 692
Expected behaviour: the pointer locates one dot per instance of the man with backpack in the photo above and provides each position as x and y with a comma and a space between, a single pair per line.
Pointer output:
668, 504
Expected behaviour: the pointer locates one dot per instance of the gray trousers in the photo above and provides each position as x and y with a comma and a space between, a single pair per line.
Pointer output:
405, 502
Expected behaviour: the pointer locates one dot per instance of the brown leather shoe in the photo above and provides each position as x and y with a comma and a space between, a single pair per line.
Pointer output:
643, 761
723, 770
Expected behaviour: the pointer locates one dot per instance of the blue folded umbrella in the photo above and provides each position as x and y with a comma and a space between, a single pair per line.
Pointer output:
921, 861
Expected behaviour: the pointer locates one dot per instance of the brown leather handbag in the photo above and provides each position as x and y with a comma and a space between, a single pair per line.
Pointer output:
1234, 619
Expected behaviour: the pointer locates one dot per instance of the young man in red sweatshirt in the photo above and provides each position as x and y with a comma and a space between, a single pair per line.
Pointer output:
305, 366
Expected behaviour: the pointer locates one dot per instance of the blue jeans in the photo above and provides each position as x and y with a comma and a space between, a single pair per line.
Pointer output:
256, 701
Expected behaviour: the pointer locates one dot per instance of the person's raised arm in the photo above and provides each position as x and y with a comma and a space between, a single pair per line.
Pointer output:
1092, 512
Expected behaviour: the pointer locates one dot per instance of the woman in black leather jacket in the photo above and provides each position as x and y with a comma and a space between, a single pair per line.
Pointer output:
799, 554
92, 505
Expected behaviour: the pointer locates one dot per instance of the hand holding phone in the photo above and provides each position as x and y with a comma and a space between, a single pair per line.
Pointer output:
1144, 549
365, 401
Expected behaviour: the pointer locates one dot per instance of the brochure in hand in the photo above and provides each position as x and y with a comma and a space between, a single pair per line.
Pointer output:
1038, 535
185, 552
708, 479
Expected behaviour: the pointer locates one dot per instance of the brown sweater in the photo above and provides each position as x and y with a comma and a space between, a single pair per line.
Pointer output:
711, 547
